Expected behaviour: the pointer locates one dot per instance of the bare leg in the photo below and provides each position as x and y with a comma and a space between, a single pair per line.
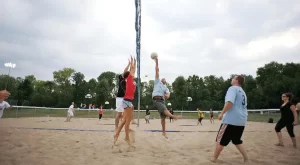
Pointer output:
167, 113
163, 125
118, 130
132, 117
294, 142
117, 119
67, 119
217, 152
128, 116
241, 148
280, 141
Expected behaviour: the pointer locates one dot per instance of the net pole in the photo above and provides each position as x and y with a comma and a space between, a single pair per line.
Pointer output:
138, 48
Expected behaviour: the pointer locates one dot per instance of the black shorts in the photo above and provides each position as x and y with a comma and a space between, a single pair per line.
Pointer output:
229, 133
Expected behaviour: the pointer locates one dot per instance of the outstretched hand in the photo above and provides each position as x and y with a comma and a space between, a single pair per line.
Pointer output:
131, 59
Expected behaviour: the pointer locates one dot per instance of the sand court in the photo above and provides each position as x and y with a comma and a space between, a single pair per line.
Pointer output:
49, 140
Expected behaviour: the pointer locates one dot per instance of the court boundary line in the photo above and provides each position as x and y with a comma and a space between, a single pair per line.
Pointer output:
98, 130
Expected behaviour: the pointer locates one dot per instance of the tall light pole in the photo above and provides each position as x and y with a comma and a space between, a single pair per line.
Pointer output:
9, 65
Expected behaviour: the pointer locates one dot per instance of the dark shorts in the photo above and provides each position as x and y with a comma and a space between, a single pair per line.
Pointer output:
229, 133
200, 119
160, 106
285, 123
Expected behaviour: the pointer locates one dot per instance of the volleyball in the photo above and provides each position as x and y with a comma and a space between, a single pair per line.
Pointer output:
154, 55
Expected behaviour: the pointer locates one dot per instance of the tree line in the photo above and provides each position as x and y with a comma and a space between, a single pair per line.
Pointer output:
207, 92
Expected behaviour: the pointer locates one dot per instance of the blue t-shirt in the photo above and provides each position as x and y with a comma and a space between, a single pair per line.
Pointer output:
159, 89
237, 115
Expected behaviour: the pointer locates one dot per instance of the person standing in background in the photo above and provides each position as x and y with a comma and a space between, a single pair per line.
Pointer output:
100, 112
172, 112
70, 112
211, 113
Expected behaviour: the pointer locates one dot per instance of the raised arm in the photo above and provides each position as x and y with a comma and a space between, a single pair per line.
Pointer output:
132, 66
156, 69
127, 67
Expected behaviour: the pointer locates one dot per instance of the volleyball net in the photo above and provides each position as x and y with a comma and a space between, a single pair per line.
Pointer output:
32, 111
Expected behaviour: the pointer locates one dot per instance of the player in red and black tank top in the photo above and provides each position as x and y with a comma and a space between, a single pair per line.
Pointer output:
130, 88
127, 104
288, 119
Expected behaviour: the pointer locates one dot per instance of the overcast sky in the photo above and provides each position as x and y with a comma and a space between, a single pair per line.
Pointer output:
216, 37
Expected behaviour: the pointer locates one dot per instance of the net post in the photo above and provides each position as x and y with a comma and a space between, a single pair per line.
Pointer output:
138, 48
17, 112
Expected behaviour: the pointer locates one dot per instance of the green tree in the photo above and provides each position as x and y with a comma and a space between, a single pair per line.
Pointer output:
25, 91
80, 87
179, 95
64, 91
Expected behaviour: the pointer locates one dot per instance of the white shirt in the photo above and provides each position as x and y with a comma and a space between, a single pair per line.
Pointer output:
71, 108
3, 105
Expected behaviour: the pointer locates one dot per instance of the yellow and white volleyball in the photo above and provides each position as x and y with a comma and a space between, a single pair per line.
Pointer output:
154, 55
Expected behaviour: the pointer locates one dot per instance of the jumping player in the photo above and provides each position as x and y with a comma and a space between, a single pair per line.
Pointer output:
288, 119
120, 94
234, 118
159, 95
127, 104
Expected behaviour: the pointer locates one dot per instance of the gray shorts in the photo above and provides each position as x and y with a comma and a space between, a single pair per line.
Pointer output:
160, 106
127, 104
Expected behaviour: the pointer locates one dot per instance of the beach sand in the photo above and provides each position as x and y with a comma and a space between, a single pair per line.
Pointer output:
89, 141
